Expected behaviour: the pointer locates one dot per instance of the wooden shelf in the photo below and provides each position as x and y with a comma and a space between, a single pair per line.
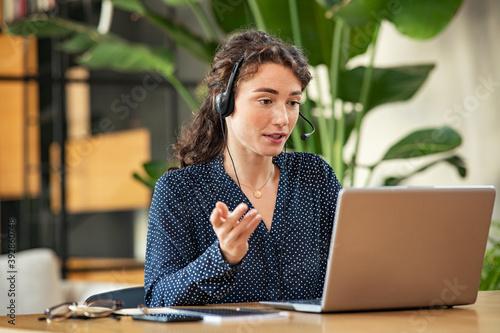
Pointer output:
99, 172
119, 270
19, 126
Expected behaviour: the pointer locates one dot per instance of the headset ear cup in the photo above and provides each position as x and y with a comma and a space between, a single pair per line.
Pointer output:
224, 102
219, 104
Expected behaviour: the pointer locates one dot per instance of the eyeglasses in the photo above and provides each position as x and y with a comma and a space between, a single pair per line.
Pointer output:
94, 309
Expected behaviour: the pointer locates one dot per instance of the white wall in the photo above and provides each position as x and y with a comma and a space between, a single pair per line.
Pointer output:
466, 55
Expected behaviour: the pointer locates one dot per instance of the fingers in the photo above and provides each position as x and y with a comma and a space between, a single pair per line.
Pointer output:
237, 213
234, 224
241, 231
223, 209
219, 214
221, 217
248, 224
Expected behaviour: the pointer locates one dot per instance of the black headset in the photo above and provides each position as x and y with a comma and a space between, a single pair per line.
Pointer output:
224, 102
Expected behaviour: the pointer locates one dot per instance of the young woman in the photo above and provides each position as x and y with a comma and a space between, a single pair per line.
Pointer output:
239, 220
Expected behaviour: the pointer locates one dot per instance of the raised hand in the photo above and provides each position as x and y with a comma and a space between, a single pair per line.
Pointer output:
233, 229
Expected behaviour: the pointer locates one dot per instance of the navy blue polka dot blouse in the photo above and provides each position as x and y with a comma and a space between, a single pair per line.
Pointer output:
184, 265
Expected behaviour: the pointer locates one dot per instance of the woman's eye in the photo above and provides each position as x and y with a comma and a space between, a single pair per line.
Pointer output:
295, 103
265, 101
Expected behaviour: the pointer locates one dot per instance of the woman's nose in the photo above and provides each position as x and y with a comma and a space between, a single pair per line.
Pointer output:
280, 115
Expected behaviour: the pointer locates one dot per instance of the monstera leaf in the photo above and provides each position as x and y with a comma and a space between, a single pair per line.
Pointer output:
426, 142
388, 85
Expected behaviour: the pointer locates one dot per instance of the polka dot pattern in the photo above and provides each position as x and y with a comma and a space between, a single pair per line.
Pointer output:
184, 265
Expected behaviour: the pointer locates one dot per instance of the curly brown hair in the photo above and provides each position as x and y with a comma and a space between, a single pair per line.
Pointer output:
203, 139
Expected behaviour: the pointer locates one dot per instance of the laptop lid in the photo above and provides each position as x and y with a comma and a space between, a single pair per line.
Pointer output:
403, 247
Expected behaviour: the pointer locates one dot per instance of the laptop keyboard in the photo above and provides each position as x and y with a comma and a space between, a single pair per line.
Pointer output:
226, 312
315, 301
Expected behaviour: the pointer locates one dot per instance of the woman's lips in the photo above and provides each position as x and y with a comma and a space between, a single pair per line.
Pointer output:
276, 137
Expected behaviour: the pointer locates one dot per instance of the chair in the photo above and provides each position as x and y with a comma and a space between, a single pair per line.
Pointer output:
131, 297
36, 281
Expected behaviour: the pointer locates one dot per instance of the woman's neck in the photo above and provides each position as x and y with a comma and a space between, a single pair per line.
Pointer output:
251, 170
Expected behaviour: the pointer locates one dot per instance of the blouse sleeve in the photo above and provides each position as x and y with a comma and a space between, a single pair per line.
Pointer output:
178, 271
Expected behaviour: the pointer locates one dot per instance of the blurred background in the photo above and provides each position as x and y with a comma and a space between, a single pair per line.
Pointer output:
114, 85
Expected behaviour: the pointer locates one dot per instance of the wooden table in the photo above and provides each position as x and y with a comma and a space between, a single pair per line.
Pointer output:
483, 316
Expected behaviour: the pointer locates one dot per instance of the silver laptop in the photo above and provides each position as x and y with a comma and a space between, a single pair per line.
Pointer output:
403, 247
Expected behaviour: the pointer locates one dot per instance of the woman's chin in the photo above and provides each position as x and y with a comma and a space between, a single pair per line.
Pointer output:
273, 152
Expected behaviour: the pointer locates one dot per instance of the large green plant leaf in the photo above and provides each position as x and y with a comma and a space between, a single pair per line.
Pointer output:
185, 38
387, 84
81, 42
424, 142
359, 40
180, 3
316, 29
194, 44
458, 163
423, 19
363, 17
232, 15
329, 3
154, 170
362, 13
134, 6
46, 27
123, 56
80, 37
108, 51
455, 161
101, 51
149, 182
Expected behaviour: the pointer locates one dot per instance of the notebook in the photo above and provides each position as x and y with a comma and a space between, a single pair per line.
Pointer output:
404, 247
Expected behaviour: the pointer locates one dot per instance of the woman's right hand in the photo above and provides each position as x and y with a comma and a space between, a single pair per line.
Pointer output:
233, 229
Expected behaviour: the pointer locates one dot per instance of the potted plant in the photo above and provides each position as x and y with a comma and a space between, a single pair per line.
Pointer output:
332, 33
490, 275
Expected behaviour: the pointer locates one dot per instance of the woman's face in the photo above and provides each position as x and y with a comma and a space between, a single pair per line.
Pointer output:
265, 112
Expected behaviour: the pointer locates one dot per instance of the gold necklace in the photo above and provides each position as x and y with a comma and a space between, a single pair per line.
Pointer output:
257, 191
